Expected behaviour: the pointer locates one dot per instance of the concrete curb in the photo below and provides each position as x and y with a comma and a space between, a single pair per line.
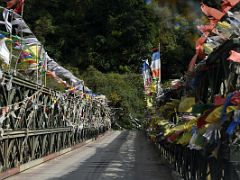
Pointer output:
31, 164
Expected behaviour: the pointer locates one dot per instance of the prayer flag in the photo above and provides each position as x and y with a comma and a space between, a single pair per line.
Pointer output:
211, 12
4, 52
6, 20
156, 65
17, 5
147, 78
146, 74
234, 56
12, 4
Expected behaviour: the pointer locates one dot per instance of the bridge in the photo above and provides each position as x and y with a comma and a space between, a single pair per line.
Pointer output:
117, 155
37, 122
52, 126
44, 109
51, 120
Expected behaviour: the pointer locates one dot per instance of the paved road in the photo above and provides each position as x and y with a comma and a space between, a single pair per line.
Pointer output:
123, 155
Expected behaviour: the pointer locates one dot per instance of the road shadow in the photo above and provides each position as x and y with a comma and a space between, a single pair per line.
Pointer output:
129, 157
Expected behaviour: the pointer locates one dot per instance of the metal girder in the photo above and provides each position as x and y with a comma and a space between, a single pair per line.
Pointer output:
17, 134
36, 121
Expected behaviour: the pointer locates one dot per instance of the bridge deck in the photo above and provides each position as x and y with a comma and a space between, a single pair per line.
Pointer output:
119, 155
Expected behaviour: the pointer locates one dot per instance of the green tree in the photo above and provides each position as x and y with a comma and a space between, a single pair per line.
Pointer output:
113, 36
123, 91
176, 34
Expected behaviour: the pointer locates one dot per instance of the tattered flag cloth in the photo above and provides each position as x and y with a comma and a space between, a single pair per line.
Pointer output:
218, 100
174, 137
234, 56
215, 16
5, 20
224, 110
206, 28
185, 138
4, 52
234, 123
228, 4
12, 4
26, 57
22, 27
146, 74
176, 84
199, 45
235, 99
62, 72
220, 113
201, 121
211, 12
17, 5
52, 74
156, 65
30, 54
186, 104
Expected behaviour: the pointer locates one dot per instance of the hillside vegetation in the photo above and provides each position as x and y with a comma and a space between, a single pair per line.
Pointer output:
105, 41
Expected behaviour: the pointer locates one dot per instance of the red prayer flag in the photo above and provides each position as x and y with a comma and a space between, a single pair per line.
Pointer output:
206, 28
16, 5
218, 100
19, 7
228, 4
199, 44
233, 2
236, 98
12, 3
212, 12
234, 56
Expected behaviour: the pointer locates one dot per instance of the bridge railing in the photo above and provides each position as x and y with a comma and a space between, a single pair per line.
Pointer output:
203, 164
36, 121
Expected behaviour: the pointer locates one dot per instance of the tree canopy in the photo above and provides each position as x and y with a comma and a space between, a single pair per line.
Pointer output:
112, 37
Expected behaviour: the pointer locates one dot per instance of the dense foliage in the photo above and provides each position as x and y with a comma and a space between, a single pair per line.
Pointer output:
113, 36
122, 92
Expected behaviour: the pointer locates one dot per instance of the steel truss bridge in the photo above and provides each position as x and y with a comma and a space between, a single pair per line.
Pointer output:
36, 121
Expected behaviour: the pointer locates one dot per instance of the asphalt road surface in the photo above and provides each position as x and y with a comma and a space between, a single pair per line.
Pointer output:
126, 155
